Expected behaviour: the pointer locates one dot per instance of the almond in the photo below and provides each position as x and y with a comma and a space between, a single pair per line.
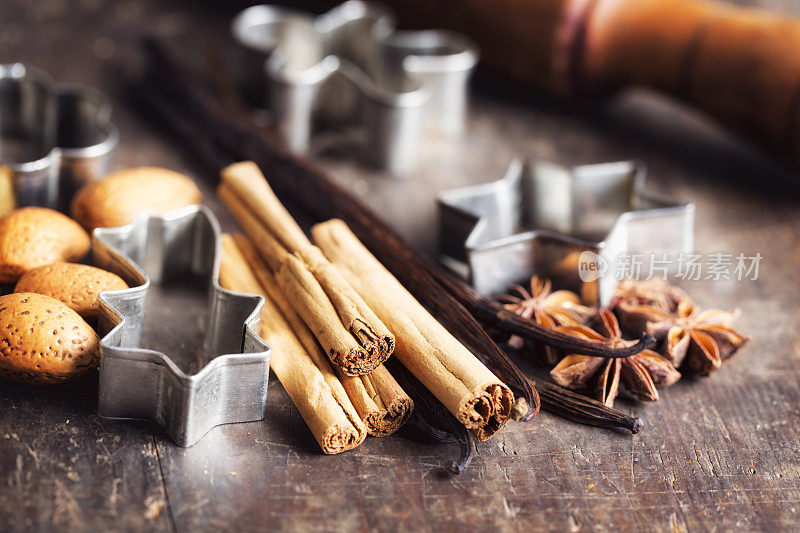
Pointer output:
34, 236
43, 341
124, 195
77, 286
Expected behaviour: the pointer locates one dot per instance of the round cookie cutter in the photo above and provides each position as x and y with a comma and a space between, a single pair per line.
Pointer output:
54, 137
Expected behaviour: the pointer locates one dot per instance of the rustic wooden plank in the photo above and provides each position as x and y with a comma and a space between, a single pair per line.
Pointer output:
63, 468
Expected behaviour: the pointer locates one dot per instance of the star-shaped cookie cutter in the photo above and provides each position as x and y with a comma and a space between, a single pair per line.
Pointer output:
540, 218
350, 68
138, 383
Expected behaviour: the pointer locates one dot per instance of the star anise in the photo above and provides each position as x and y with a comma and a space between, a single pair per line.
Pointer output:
547, 308
654, 293
639, 373
699, 342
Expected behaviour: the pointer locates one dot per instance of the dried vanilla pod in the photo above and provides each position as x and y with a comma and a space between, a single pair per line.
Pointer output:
432, 419
547, 308
584, 410
640, 373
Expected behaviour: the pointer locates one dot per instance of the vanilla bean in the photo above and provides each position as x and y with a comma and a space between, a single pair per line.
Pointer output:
197, 116
433, 420
158, 108
582, 409
430, 416
309, 187
494, 314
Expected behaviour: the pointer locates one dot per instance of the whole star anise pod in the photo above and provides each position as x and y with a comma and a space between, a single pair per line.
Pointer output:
653, 293
545, 307
639, 373
694, 340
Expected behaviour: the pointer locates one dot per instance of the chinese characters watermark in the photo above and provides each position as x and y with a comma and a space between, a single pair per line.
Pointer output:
685, 266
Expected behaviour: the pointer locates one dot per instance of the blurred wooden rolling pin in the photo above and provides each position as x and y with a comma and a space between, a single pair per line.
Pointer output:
739, 65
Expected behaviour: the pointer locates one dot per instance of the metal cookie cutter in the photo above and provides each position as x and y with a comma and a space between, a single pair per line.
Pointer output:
146, 384
53, 137
350, 67
541, 217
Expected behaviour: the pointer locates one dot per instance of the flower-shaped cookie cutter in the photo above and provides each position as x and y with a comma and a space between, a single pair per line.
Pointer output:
54, 137
138, 383
350, 67
541, 218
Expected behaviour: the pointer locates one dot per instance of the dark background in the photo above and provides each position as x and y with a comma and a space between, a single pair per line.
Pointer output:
716, 453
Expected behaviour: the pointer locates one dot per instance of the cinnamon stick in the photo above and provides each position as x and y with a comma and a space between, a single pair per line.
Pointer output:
270, 249
307, 377
353, 337
379, 400
247, 181
446, 367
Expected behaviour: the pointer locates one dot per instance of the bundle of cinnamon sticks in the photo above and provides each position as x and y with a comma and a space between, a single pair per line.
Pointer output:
334, 314
352, 336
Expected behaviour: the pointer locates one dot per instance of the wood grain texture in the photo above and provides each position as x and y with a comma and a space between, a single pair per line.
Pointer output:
718, 453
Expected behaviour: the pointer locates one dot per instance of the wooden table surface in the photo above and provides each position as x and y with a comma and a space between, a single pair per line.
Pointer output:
720, 453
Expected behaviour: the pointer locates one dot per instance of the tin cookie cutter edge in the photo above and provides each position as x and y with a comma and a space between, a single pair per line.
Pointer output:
69, 125
138, 383
601, 208
395, 86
